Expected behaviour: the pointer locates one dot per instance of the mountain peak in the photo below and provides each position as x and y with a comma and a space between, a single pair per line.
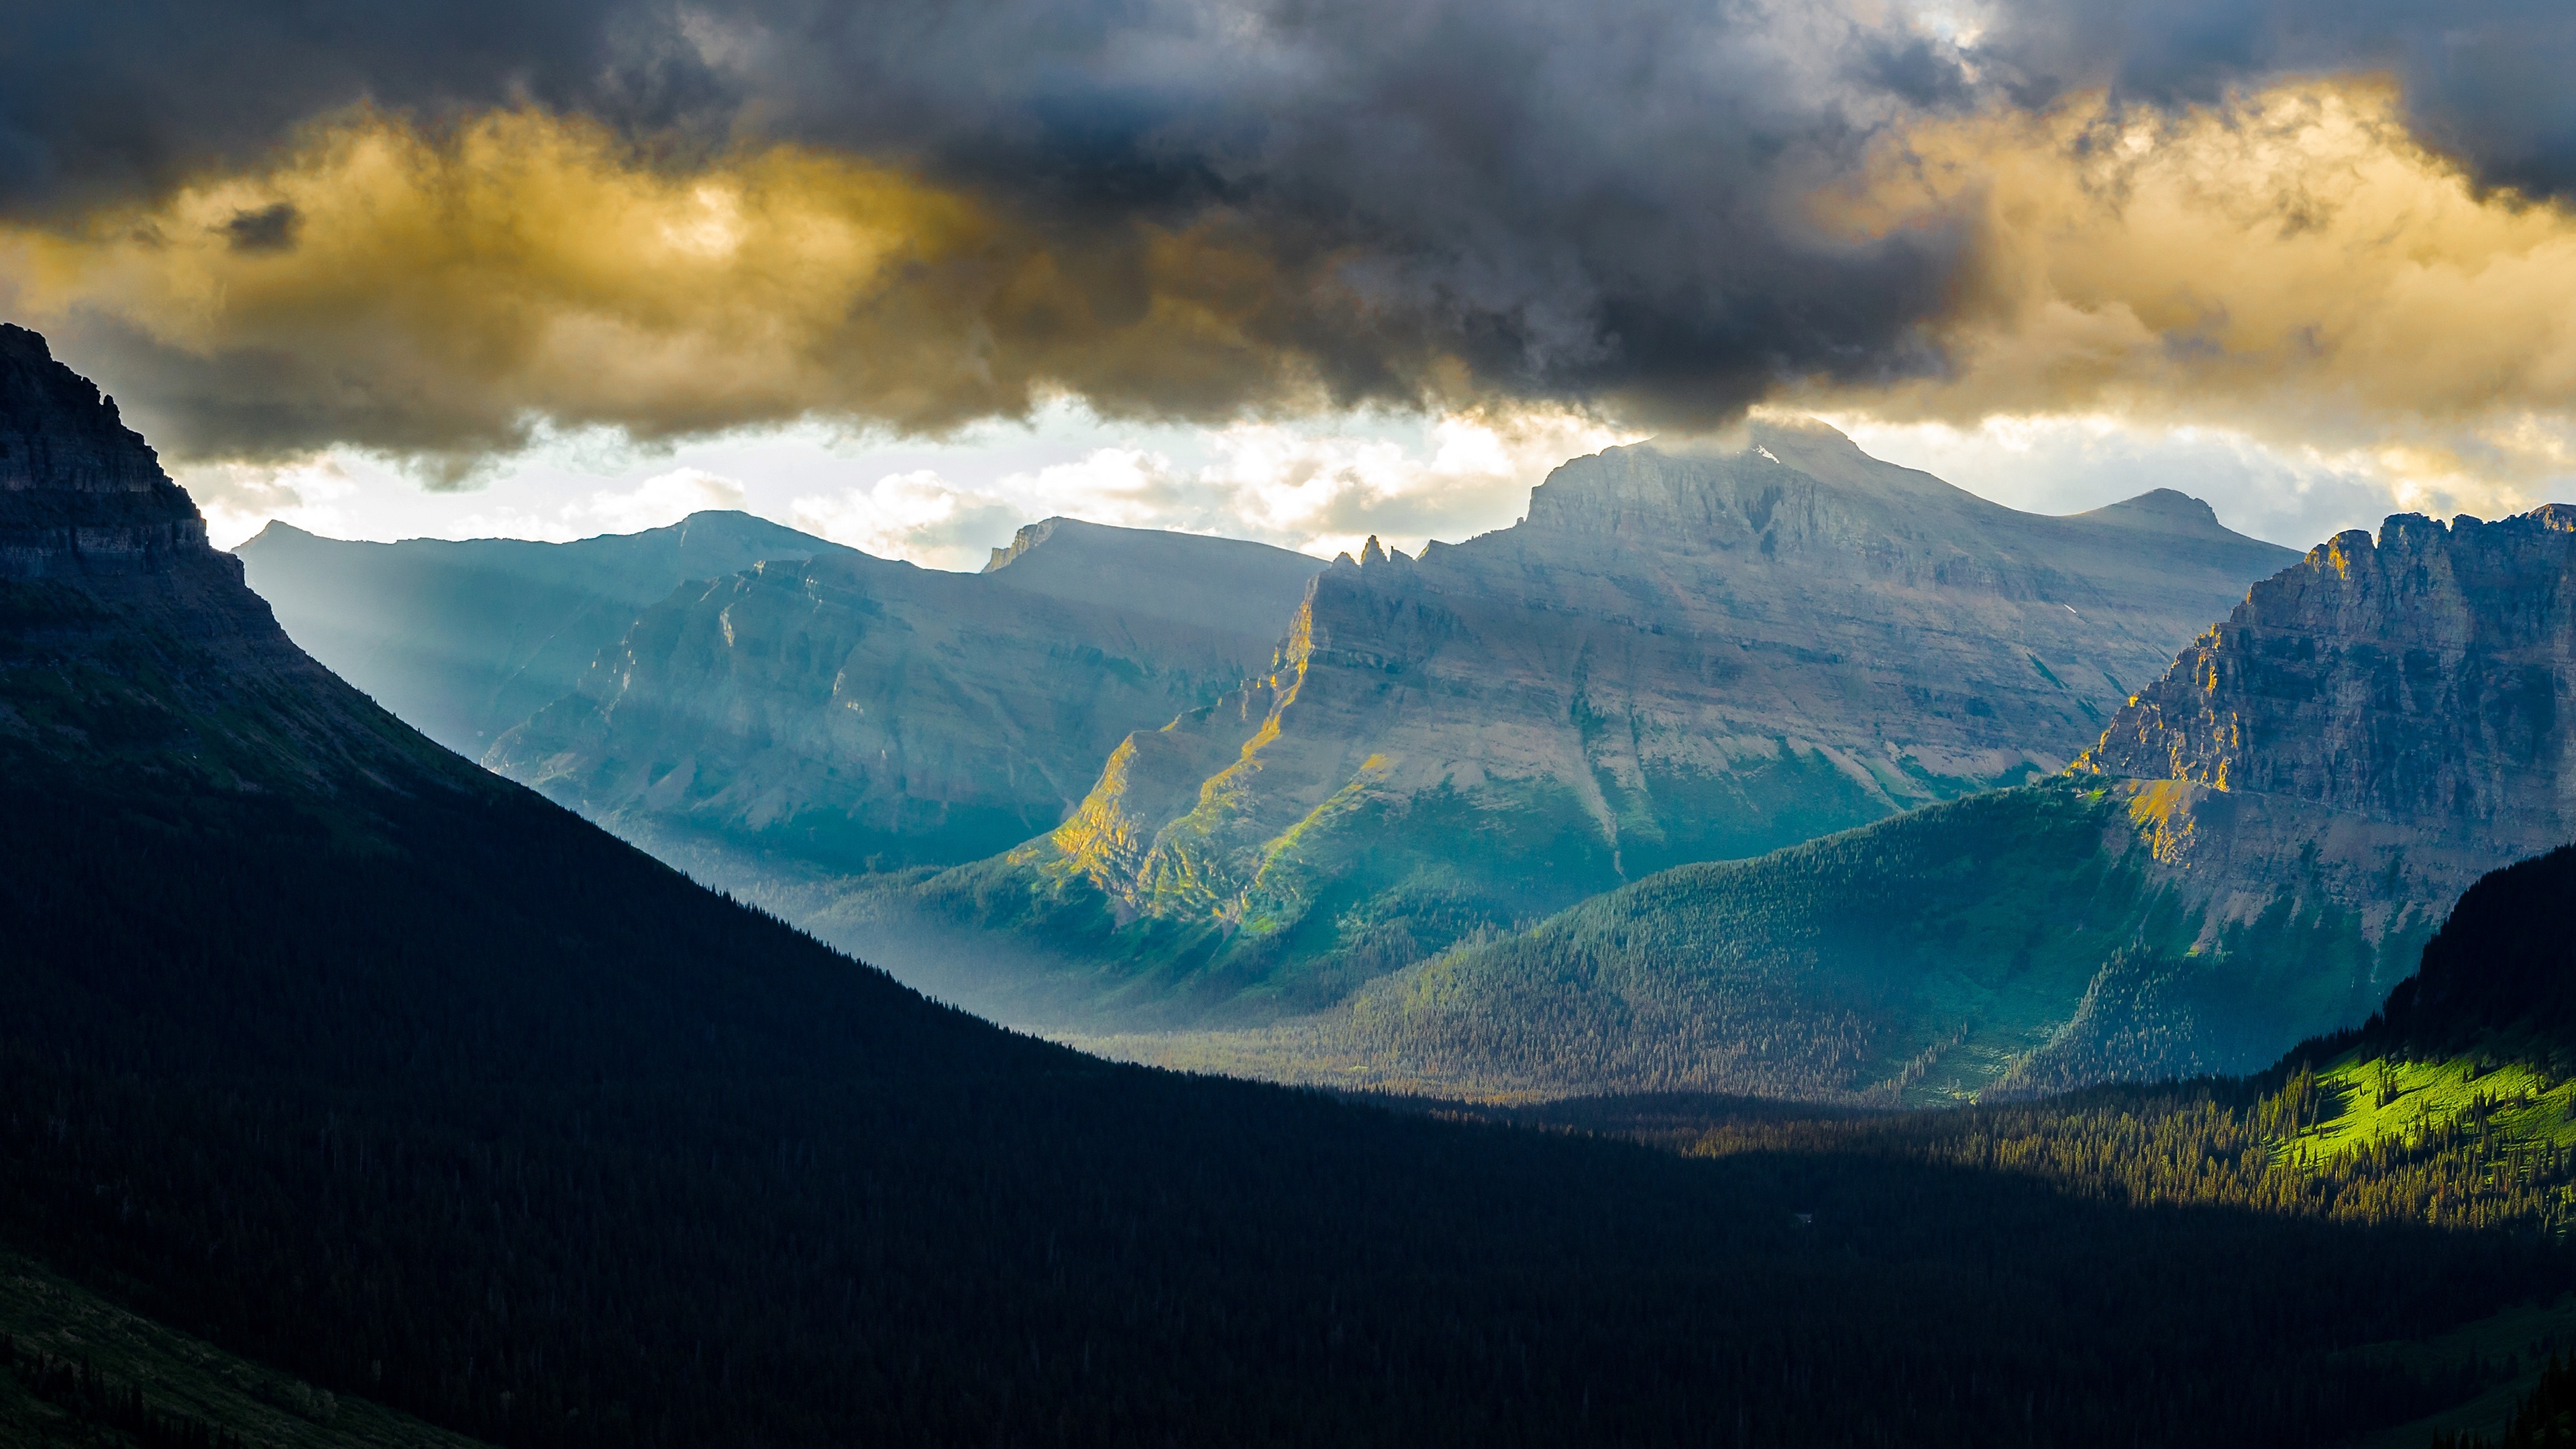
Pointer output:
80, 492
2165, 510
2268, 702
1029, 536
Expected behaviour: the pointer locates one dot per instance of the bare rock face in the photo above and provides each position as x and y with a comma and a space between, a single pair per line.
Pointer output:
85, 495
850, 714
1673, 658
1226, 584
2389, 719
131, 644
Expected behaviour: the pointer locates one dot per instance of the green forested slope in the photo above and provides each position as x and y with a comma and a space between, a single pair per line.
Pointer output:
2019, 938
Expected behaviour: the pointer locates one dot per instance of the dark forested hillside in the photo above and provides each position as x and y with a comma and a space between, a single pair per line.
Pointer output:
505, 1125
325, 1046
2501, 973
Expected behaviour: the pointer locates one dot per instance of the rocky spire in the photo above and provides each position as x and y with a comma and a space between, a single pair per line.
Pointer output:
81, 494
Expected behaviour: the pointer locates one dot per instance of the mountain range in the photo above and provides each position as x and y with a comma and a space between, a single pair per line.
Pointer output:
2252, 853
464, 640
1676, 656
852, 714
400, 1084
739, 694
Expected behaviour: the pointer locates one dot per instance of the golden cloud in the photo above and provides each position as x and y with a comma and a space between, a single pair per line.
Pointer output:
2293, 264
430, 293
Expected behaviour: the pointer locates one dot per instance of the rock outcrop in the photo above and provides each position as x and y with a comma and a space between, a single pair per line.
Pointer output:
851, 714
86, 497
130, 643
1673, 658
1227, 584
2406, 703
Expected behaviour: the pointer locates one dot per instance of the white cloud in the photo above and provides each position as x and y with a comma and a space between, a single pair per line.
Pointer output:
660, 501
657, 502
239, 499
917, 516
2293, 496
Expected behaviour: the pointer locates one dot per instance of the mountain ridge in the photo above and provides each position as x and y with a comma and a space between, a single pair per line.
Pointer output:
854, 715
465, 639
2401, 698
1672, 657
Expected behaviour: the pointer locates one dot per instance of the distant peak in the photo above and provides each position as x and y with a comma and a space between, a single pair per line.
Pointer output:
1801, 433
2165, 510
1029, 537
277, 528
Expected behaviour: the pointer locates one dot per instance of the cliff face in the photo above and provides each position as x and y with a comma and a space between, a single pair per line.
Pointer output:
1224, 584
2421, 680
1673, 658
2370, 731
129, 645
466, 639
849, 713
85, 496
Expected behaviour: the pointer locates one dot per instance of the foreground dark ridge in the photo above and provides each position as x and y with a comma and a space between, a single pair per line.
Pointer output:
328, 1047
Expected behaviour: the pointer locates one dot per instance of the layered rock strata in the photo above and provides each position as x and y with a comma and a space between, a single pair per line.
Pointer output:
130, 641
2388, 719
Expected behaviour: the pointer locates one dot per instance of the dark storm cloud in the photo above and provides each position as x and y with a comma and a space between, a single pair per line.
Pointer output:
1605, 202
99, 101
2485, 83
1593, 200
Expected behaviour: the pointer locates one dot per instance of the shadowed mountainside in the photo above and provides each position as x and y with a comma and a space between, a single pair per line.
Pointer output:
462, 640
856, 714
1673, 658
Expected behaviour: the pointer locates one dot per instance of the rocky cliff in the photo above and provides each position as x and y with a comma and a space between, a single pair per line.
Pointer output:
2394, 717
465, 639
1237, 587
86, 497
1675, 657
852, 714
126, 641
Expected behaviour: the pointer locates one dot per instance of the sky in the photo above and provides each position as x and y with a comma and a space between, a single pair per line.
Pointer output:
909, 274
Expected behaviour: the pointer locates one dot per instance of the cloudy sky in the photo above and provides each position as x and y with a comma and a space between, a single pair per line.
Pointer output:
909, 274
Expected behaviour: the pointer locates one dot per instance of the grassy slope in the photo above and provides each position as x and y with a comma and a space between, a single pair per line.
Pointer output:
2525, 1110
179, 1376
